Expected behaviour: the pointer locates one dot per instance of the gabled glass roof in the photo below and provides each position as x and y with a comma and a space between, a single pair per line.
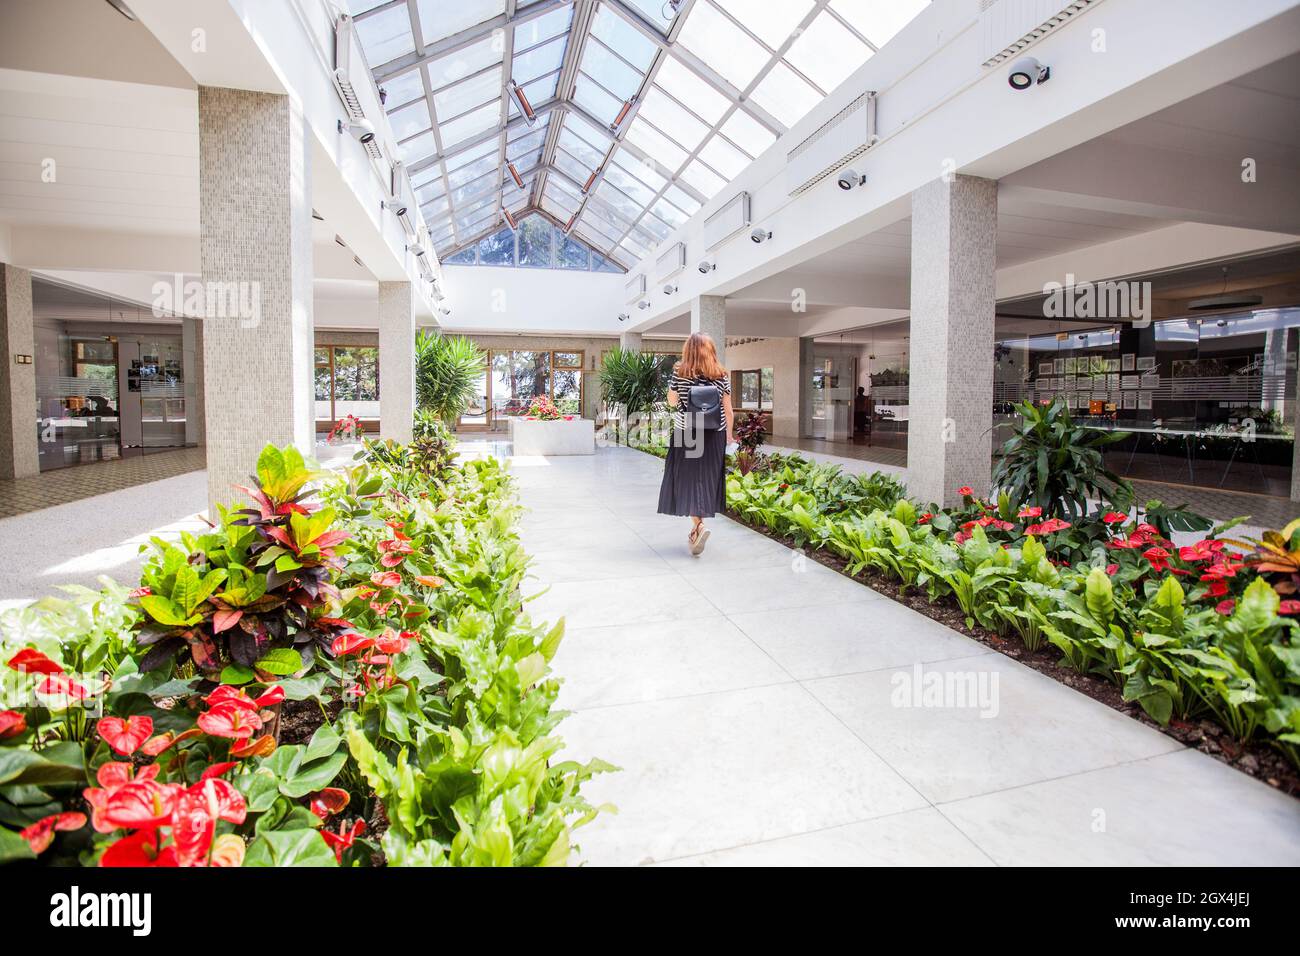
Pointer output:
637, 111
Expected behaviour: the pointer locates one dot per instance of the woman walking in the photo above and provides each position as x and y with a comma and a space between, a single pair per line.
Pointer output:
694, 481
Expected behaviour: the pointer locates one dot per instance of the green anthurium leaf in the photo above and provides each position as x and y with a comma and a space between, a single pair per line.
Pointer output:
314, 776
324, 742
301, 847
13, 847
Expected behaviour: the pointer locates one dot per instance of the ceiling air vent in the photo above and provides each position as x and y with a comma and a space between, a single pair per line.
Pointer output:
1009, 27
727, 221
847, 134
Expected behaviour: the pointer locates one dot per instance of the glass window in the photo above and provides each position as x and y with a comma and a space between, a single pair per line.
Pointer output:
464, 257
469, 125
518, 378
386, 36
456, 66
748, 133
411, 120
497, 249
403, 89
672, 119
772, 21
623, 38
724, 157
666, 154
439, 20
704, 179
543, 28
609, 71
715, 39
535, 243
783, 94
827, 53
468, 94
687, 88
877, 21
538, 61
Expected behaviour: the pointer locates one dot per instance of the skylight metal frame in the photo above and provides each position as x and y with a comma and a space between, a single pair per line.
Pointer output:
627, 241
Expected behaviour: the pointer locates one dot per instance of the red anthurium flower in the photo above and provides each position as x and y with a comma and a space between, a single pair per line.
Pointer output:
125, 736
390, 642
1148, 530
1054, 524
118, 773
430, 580
270, 697
346, 644
385, 579
139, 849
921, 519
230, 720
1030, 511
1111, 569
967, 525
1217, 588
12, 724
40, 834
965, 491
193, 829
156, 745
1289, 607
31, 661
61, 685
396, 545
217, 769
1114, 517
391, 560
1158, 557
343, 840
231, 696
330, 802
1226, 607
961, 537
140, 805
1223, 568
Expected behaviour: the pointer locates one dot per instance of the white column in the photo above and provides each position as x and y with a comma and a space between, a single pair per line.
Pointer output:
954, 235
631, 341
396, 360
19, 457
806, 346
709, 315
254, 250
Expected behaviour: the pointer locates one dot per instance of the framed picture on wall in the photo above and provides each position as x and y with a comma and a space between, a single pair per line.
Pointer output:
1130, 381
1150, 379
1058, 366
1127, 361
1146, 362
1112, 365
1112, 380
1130, 400
1144, 400
1044, 368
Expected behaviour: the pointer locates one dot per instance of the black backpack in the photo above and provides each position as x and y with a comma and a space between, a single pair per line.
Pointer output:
704, 407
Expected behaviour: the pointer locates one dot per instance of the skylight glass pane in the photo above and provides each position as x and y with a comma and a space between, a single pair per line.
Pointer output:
655, 227
439, 19
488, 148
703, 179
667, 154
598, 232
479, 121
683, 85
595, 100
625, 205
669, 213
571, 167
724, 157
543, 28
563, 192
721, 44
644, 171
403, 89
411, 120
653, 12
628, 184
534, 237
623, 39
538, 91
497, 249
456, 66
414, 150
472, 171
432, 189
435, 208
827, 53
610, 72
671, 119
877, 21
609, 220
528, 146
596, 137
682, 199
386, 36
463, 97
748, 133
783, 94
530, 65
571, 254
580, 149
772, 21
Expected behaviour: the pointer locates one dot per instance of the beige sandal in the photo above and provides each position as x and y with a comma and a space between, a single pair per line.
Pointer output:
697, 539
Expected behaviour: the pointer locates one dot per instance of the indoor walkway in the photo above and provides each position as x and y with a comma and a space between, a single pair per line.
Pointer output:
757, 706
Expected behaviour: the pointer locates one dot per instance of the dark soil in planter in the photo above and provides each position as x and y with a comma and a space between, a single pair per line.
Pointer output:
299, 719
1257, 759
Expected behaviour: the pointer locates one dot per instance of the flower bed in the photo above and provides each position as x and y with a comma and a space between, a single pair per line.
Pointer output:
1189, 634
343, 681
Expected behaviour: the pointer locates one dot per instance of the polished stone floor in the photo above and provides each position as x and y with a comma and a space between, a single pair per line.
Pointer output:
762, 711
24, 495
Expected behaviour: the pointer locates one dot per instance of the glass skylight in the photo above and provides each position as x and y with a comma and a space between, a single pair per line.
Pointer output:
657, 114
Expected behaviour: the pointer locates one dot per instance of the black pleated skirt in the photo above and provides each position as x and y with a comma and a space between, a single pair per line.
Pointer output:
695, 480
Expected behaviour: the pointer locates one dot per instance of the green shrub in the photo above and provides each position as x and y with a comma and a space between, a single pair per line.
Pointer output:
448, 369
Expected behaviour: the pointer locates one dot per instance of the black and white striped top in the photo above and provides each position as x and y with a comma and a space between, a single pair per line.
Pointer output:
682, 386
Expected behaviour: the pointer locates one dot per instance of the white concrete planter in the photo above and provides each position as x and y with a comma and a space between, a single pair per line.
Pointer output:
575, 437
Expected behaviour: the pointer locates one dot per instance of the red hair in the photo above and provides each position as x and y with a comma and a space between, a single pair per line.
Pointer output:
700, 358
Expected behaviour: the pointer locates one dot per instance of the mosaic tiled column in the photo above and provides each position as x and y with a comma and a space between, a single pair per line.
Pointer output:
396, 360
18, 451
255, 261
806, 346
709, 315
192, 368
954, 236
630, 341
